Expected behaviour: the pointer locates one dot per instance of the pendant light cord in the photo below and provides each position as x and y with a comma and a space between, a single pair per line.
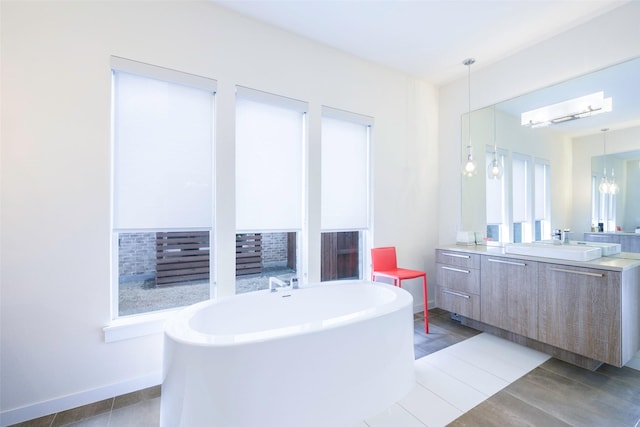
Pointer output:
469, 62
604, 149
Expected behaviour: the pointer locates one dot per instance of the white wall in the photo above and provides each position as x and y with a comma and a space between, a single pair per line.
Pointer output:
56, 167
55, 162
603, 41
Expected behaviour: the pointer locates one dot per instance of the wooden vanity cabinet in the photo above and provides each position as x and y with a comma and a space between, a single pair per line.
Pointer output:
458, 283
509, 295
585, 311
629, 242
580, 311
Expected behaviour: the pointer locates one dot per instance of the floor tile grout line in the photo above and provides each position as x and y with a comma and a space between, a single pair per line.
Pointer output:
113, 403
559, 417
578, 380
445, 400
589, 386
495, 375
413, 415
562, 416
468, 362
512, 345
446, 372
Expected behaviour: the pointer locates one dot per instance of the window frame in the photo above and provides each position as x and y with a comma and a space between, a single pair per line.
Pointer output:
502, 226
147, 71
364, 233
545, 220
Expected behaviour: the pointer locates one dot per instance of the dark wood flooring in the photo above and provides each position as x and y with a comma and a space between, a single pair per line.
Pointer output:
554, 394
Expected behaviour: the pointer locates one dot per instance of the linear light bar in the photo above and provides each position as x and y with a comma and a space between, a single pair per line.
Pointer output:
573, 109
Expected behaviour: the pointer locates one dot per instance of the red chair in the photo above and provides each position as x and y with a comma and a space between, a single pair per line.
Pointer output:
385, 264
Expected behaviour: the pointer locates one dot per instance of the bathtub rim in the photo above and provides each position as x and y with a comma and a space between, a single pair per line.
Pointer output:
178, 329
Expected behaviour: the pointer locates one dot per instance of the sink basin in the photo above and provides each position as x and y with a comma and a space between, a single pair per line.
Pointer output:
607, 248
568, 252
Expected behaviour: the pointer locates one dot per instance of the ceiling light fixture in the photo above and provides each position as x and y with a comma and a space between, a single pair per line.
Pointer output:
573, 109
469, 167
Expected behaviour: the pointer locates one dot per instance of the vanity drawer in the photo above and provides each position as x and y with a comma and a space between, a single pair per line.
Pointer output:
458, 278
457, 259
462, 303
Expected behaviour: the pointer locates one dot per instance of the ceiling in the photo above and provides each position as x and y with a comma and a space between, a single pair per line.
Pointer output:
425, 38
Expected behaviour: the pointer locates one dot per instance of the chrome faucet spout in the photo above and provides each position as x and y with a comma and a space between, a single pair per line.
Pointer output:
275, 283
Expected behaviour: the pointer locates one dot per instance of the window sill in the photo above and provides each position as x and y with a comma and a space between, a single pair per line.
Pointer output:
135, 326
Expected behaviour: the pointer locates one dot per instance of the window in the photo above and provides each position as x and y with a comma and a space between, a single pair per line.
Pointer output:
162, 188
270, 142
496, 200
344, 193
518, 204
595, 202
542, 200
521, 198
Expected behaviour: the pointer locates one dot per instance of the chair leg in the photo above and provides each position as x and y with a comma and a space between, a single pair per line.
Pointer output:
426, 306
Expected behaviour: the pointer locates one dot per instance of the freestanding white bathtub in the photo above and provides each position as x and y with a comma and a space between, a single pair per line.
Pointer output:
325, 355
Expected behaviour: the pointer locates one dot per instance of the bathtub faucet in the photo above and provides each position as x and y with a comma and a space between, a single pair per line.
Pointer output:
275, 283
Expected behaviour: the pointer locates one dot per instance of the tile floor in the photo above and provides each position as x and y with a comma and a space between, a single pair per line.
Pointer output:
456, 379
456, 369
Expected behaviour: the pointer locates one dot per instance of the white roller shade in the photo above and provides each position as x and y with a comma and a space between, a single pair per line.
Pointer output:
541, 190
520, 189
162, 169
345, 175
495, 194
269, 148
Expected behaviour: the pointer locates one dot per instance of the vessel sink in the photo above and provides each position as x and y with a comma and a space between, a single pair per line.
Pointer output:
566, 252
607, 248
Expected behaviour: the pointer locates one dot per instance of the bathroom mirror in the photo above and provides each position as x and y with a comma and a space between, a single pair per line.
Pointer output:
625, 169
568, 146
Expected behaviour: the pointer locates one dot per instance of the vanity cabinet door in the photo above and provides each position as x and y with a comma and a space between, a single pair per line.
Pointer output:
630, 243
458, 289
509, 295
458, 259
602, 237
580, 311
458, 283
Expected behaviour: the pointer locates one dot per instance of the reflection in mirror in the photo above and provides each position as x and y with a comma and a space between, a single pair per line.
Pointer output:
619, 211
522, 206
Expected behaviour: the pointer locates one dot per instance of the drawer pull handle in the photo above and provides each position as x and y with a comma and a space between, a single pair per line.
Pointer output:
584, 273
500, 261
459, 270
455, 294
456, 255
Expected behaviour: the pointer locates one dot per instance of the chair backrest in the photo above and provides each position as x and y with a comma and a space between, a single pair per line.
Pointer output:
383, 259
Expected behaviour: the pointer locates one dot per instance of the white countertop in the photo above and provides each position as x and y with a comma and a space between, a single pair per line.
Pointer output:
614, 233
620, 262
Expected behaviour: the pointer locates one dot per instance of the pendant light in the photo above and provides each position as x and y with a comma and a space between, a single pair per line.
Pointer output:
613, 186
469, 167
494, 169
604, 183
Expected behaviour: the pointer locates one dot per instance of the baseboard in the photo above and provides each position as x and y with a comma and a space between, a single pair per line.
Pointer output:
37, 410
419, 307
634, 363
